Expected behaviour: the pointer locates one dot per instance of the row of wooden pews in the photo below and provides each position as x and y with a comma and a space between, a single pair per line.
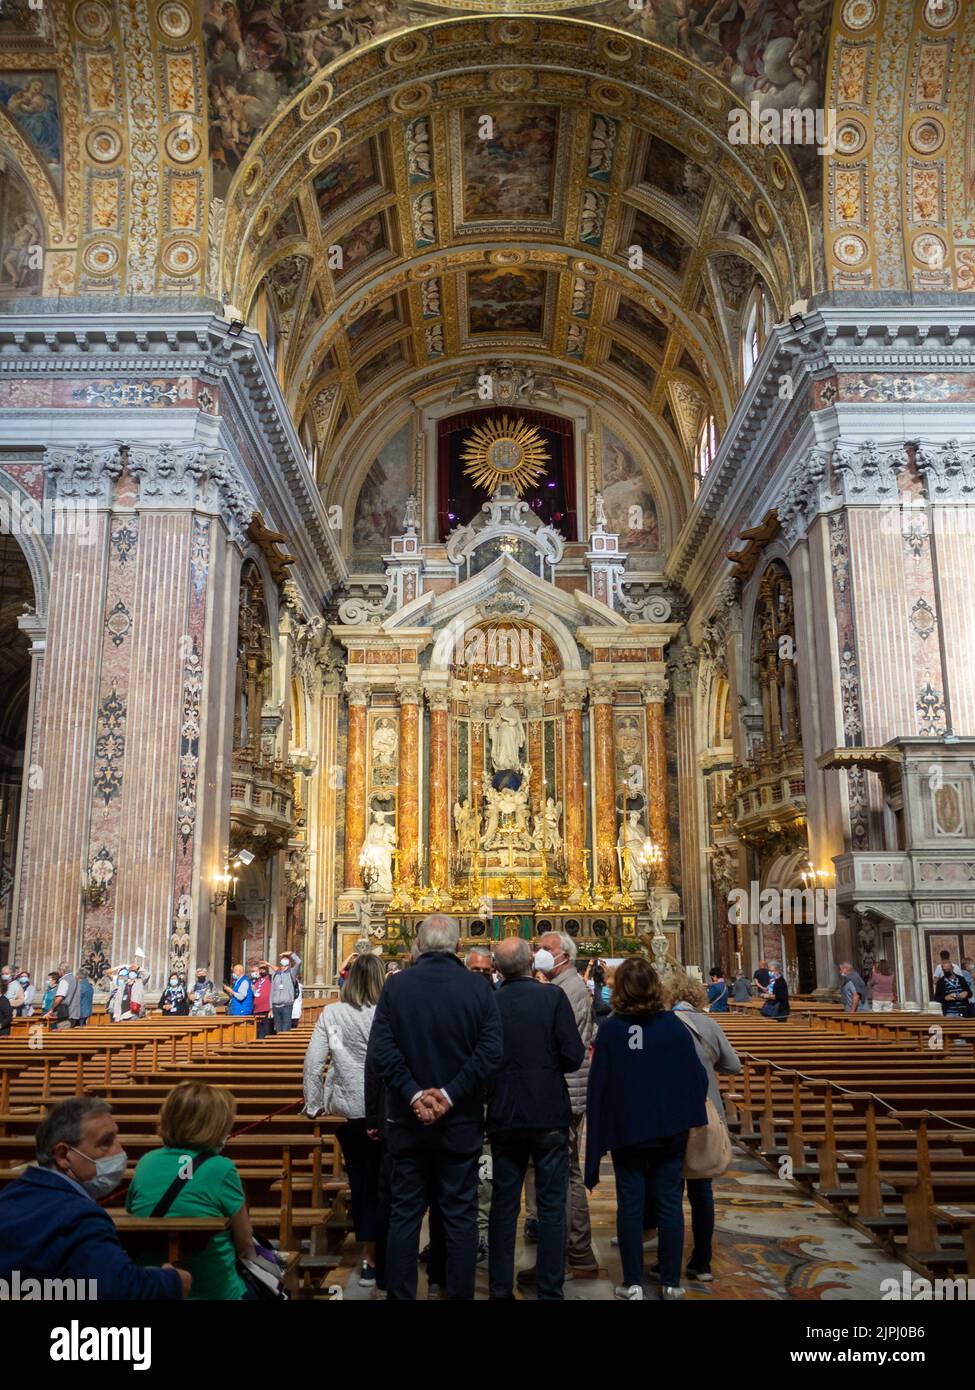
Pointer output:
874, 1114
290, 1165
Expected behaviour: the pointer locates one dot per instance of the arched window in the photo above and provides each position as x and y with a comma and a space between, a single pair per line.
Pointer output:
705, 448
755, 325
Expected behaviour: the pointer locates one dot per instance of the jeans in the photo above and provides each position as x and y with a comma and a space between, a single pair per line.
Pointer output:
453, 1176
282, 1017
362, 1157
701, 1197
580, 1253
548, 1150
657, 1167
263, 1025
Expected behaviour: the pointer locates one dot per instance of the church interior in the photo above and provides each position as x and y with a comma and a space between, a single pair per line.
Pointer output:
514, 462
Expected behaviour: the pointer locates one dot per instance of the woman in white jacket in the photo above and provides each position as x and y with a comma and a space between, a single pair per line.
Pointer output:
339, 1041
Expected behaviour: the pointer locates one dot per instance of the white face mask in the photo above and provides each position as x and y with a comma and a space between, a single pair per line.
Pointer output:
109, 1172
544, 961
285, 964
173, 982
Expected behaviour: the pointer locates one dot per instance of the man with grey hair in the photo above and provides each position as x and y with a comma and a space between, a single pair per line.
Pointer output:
528, 1119
582, 1263
435, 1041
853, 989
777, 994
480, 960
51, 1226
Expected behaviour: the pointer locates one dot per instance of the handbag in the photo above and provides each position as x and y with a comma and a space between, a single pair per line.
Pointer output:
770, 1009
263, 1276
708, 1152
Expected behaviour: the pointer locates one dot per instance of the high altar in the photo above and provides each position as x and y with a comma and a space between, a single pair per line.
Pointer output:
506, 750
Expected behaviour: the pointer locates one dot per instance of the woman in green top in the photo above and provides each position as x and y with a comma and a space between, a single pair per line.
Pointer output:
194, 1123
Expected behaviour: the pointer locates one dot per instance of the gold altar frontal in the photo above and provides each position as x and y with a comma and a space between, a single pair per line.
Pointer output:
595, 933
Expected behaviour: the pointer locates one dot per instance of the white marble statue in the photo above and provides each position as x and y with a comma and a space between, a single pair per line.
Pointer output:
464, 825
385, 745
378, 846
551, 816
599, 513
507, 737
633, 835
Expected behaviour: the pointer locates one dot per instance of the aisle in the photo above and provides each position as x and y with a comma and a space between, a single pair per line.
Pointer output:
771, 1243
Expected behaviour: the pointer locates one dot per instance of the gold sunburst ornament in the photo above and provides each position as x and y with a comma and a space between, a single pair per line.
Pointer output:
505, 451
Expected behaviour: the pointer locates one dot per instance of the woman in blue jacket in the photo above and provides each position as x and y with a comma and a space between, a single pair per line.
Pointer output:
646, 1090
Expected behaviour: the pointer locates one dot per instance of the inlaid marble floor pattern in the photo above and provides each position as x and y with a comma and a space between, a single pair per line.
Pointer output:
770, 1243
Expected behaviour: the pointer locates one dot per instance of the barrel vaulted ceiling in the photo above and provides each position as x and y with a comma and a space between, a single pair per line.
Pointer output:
156, 147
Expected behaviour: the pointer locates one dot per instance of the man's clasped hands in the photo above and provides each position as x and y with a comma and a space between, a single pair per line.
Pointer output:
430, 1106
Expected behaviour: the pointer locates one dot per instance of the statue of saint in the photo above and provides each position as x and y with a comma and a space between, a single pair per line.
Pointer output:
464, 825
507, 736
599, 513
378, 845
633, 835
551, 839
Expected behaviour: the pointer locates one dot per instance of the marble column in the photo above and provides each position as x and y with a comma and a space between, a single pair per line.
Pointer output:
654, 696
536, 753
438, 816
601, 703
575, 803
408, 811
355, 786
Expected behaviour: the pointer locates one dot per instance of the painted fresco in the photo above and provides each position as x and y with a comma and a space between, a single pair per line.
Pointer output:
21, 237
355, 170
630, 507
381, 315
658, 242
30, 99
670, 170
364, 241
505, 300
631, 363
634, 316
384, 360
510, 174
381, 504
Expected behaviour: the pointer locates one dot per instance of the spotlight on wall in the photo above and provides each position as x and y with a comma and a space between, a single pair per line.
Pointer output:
245, 857
236, 328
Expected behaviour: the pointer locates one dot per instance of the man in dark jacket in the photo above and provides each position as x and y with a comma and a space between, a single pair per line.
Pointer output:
51, 1226
436, 1039
528, 1117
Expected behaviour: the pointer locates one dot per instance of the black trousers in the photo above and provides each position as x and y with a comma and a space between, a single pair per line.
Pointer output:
416, 1174
362, 1157
511, 1150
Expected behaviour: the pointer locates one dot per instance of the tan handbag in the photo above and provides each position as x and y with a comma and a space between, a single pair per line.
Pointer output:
708, 1152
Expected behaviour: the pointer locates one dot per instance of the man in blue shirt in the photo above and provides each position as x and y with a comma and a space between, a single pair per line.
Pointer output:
717, 992
51, 1226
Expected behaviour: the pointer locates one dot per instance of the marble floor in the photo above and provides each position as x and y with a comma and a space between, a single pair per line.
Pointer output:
770, 1243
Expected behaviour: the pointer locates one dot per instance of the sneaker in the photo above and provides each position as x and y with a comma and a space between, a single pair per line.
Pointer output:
699, 1274
633, 1292
670, 1293
367, 1275
436, 1291
531, 1230
482, 1250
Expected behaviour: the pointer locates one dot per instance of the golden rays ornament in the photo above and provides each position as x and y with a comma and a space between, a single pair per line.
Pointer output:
504, 451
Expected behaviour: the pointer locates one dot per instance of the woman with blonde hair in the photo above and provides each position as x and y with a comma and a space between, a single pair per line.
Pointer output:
715, 1054
189, 1176
339, 1042
647, 1089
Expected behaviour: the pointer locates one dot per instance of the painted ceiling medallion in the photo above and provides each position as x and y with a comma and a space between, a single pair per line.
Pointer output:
927, 135
183, 144
315, 100
939, 14
930, 250
325, 145
103, 144
180, 257
506, 257
505, 451
512, 80
101, 257
174, 19
850, 250
859, 14
408, 49
851, 136
92, 19
414, 98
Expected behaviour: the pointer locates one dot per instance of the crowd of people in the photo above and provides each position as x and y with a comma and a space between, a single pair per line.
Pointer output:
271, 993
458, 1077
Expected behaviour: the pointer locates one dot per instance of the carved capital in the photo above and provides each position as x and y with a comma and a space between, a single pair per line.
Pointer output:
948, 472
438, 698
572, 699
409, 692
869, 473
805, 492
655, 692
84, 471
601, 692
357, 695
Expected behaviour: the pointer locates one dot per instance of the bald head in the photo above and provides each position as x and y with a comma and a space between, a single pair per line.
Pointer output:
513, 958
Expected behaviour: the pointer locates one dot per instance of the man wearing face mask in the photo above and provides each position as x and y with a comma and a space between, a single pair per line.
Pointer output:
51, 1226
283, 990
555, 958
201, 994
